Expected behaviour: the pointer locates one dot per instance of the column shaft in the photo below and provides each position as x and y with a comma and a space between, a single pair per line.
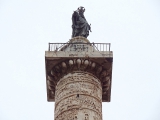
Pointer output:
78, 96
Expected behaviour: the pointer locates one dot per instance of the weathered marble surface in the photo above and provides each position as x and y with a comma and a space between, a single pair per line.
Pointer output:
78, 96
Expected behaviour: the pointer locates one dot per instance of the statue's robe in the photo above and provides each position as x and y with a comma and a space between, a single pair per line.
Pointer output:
80, 25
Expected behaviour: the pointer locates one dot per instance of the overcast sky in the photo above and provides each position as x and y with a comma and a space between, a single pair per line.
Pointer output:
131, 26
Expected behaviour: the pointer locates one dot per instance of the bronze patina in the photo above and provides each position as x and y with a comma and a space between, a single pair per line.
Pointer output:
80, 26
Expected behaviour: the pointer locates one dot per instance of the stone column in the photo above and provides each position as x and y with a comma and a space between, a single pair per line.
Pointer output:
78, 96
78, 78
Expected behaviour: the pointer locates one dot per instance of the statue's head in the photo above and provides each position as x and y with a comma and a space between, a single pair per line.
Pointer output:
81, 9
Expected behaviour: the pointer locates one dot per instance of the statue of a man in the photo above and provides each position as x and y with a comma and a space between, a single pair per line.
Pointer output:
80, 26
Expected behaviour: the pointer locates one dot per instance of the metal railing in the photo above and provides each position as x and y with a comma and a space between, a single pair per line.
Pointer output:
94, 46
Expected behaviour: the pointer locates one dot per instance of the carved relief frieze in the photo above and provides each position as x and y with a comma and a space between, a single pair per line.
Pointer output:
82, 101
78, 91
78, 87
79, 114
78, 76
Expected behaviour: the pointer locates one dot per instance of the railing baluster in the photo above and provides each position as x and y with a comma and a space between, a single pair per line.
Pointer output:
103, 47
80, 46
106, 47
48, 47
92, 47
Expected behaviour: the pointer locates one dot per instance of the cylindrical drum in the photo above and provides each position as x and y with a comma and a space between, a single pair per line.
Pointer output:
78, 97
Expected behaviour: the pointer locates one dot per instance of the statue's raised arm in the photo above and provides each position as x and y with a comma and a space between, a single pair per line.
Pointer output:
80, 26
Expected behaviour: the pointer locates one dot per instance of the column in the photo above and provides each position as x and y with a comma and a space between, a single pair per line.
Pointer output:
78, 96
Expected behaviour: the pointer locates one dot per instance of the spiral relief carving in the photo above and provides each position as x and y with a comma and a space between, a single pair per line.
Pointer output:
79, 92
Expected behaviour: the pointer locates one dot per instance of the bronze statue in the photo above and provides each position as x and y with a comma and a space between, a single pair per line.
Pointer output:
80, 26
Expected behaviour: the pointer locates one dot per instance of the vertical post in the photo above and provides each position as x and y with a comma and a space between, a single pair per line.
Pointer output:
106, 47
49, 47
103, 47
